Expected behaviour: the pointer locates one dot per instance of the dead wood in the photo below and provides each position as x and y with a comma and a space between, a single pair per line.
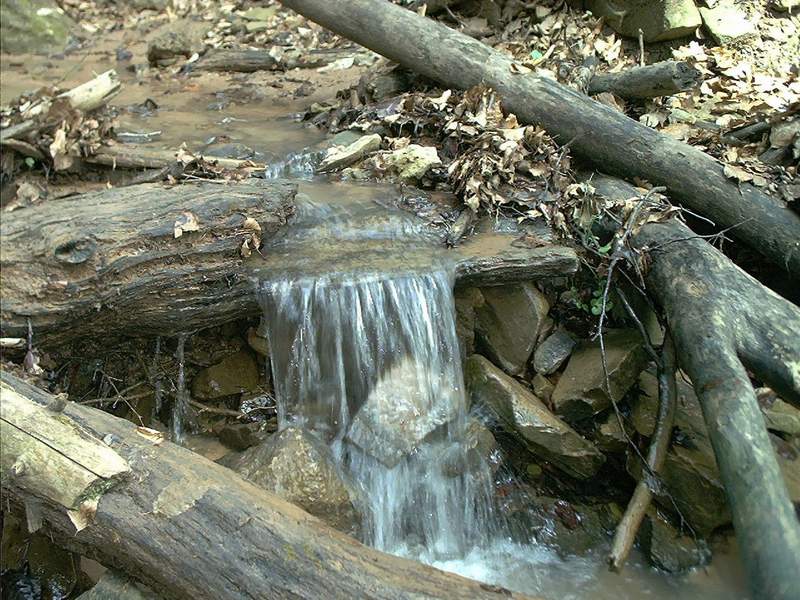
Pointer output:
108, 263
131, 156
594, 131
239, 61
190, 528
659, 79
725, 323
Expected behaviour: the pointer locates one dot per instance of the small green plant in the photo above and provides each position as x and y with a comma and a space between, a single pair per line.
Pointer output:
595, 304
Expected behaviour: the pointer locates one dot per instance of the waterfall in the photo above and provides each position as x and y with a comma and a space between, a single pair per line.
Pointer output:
371, 363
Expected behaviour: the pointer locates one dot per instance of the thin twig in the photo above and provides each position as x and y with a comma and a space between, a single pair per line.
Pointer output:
642, 495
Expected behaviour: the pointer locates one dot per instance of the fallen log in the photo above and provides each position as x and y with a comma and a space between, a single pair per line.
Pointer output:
190, 528
651, 81
723, 322
595, 132
238, 61
132, 156
153, 260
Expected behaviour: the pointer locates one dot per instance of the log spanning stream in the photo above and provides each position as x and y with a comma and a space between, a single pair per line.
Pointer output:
364, 353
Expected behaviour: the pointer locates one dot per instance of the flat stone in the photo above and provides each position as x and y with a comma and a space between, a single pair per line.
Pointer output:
257, 342
300, 468
667, 548
609, 436
118, 586
581, 391
339, 157
412, 162
260, 14
179, 39
240, 436
508, 324
542, 433
727, 23
659, 20
476, 451
781, 416
34, 27
404, 406
573, 529
256, 26
542, 387
553, 352
235, 374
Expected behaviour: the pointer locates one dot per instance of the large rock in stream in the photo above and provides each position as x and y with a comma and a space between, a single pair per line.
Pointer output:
33, 27
544, 434
301, 469
581, 391
659, 20
508, 324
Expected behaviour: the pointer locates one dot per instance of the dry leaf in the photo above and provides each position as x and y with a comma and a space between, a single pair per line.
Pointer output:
186, 222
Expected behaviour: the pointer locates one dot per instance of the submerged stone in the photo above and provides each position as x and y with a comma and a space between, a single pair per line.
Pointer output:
406, 404
476, 450
300, 468
520, 411
508, 324
581, 391
235, 374
667, 548
339, 157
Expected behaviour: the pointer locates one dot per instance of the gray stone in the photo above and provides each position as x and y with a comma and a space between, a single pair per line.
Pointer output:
727, 23
179, 39
118, 586
553, 352
538, 429
572, 529
659, 20
508, 323
301, 469
33, 27
668, 549
260, 13
235, 374
466, 301
402, 408
609, 436
478, 449
257, 342
240, 436
581, 391
339, 157
412, 162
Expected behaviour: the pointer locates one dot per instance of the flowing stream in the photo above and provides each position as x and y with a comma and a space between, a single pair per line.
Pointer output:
364, 353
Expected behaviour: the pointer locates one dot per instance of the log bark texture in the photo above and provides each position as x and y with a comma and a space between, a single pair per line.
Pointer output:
723, 323
659, 79
132, 156
595, 132
108, 263
239, 61
190, 528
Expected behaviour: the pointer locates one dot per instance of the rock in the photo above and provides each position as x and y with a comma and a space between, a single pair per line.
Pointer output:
179, 39
256, 26
668, 549
118, 586
402, 408
581, 391
542, 387
339, 157
523, 413
240, 436
573, 529
778, 415
260, 14
508, 323
235, 374
478, 449
786, 5
610, 437
33, 27
553, 352
466, 301
257, 342
690, 474
301, 469
727, 23
376, 86
659, 20
412, 162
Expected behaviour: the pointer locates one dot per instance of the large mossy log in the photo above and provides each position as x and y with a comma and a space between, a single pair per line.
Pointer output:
188, 527
109, 263
725, 323
593, 131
